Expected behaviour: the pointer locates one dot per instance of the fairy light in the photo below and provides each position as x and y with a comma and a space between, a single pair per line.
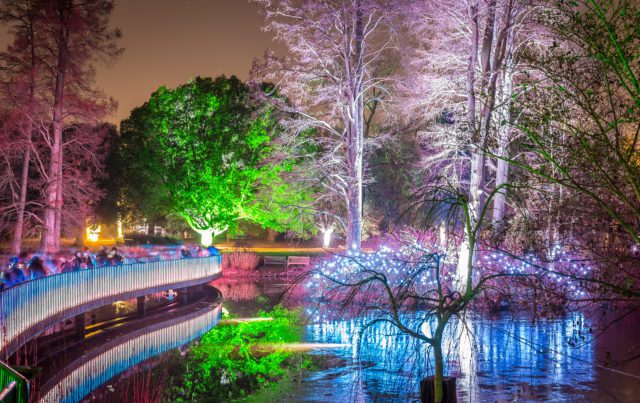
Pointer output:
403, 264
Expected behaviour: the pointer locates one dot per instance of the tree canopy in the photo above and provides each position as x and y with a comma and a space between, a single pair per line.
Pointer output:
208, 152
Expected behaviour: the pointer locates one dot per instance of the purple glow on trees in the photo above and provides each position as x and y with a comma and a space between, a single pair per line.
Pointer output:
335, 77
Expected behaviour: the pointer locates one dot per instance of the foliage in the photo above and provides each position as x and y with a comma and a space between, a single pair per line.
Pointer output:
207, 151
228, 361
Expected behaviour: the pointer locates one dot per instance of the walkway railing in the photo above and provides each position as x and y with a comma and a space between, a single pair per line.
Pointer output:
80, 377
15, 386
28, 309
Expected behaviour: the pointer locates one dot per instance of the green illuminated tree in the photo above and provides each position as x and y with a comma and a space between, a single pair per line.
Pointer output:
209, 149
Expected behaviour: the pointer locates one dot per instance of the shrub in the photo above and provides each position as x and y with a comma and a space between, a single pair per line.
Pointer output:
240, 261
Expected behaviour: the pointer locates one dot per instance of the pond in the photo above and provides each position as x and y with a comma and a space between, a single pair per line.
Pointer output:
579, 357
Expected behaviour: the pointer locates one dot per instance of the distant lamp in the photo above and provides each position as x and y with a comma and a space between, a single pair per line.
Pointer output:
93, 233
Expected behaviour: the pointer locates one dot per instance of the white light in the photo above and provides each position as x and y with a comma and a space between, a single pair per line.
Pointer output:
93, 233
326, 238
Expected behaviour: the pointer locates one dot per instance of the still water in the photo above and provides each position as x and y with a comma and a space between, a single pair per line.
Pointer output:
579, 357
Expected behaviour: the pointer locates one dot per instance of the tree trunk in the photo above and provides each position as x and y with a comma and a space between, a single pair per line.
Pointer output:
354, 221
355, 142
439, 370
271, 235
51, 237
502, 169
58, 227
151, 228
16, 243
499, 199
51, 195
468, 257
81, 232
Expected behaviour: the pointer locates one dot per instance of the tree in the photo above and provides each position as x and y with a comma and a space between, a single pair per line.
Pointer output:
20, 66
335, 75
581, 132
209, 148
136, 171
411, 285
465, 100
75, 36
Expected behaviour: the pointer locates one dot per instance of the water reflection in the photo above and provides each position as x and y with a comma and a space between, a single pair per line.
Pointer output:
125, 347
494, 359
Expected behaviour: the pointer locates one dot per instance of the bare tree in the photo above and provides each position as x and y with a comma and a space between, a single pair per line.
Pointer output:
76, 36
335, 76
20, 67
460, 79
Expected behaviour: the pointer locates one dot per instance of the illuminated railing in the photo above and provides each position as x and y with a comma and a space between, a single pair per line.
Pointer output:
94, 369
31, 307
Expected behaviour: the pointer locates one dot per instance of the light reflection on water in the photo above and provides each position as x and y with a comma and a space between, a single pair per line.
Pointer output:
494, 359
501, 359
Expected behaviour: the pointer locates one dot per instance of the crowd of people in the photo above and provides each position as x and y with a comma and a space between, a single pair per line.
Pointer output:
32, 266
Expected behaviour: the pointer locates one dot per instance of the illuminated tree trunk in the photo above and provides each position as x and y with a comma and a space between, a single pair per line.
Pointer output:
27, 19
58, 228
53, 193
354, 205
355, 139
16, 242
499, 200
49, 234
326, 237
476, 182
504, 138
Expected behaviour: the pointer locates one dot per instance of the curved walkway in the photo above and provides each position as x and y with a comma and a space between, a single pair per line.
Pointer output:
110, 354
28, 309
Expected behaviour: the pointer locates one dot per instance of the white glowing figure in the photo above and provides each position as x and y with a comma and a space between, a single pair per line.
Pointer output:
93, 233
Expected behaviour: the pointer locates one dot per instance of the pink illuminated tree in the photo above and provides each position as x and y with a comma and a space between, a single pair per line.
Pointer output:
75, 37
23, 108
52, 110
460, 80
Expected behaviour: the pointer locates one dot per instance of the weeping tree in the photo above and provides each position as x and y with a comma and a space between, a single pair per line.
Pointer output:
210, 148
411, 283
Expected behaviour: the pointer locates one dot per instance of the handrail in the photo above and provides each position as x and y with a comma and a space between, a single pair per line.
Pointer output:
7, 390
88, 372
30, 307
19, 393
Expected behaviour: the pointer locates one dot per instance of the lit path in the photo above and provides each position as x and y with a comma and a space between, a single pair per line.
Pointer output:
28, 309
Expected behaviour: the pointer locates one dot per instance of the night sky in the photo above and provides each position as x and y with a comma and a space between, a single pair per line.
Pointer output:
168, 42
